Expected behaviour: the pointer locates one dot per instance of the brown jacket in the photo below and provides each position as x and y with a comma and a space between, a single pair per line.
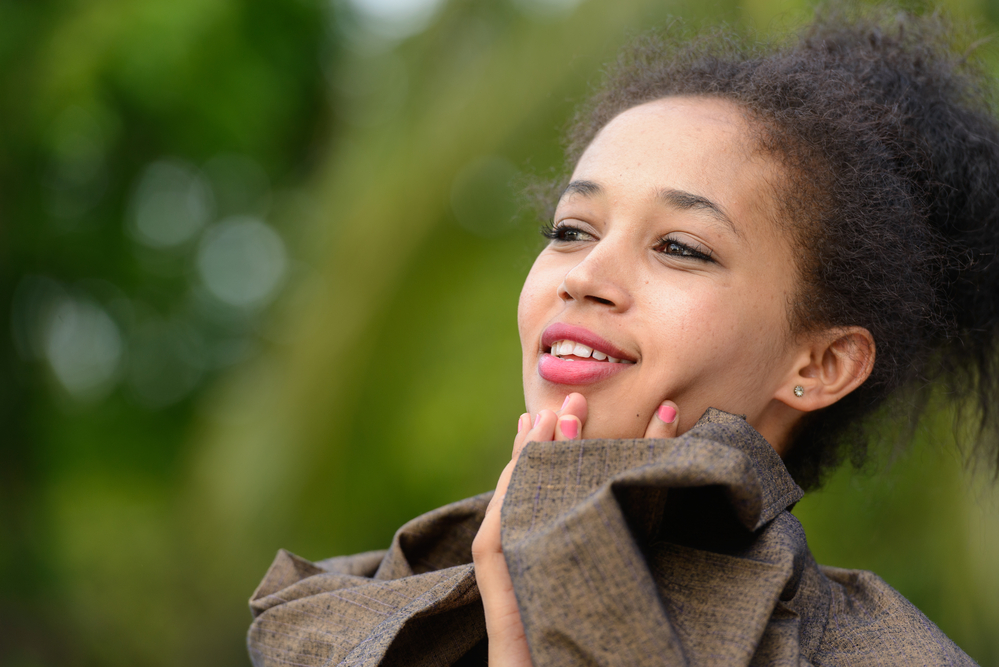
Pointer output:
622, 552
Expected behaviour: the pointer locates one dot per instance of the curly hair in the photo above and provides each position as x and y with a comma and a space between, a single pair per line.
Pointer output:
890, 144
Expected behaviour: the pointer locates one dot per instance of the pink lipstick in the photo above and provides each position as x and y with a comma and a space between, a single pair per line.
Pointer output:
575, 370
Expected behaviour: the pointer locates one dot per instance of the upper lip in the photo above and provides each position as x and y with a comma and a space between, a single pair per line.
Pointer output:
561, 331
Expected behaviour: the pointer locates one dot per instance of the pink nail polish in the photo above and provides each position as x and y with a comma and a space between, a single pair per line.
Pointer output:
520, 423
564, 403
537, 419
569, 428
667, 413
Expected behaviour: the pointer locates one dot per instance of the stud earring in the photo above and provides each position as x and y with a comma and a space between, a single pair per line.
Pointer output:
799, 391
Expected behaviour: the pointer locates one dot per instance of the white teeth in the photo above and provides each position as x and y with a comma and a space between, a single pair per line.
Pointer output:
566, 348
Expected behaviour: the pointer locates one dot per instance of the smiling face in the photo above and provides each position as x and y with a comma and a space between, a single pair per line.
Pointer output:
667, 275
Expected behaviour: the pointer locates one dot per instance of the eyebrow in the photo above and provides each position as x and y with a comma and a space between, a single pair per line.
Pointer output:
680, 200
687, 201
585, 188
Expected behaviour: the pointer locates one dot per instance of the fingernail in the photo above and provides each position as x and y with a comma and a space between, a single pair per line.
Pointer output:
537, 418
667, 413
569, 428
564, 403
520, 423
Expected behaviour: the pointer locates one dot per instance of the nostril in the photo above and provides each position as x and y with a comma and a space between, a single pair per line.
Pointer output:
563, 292
606, 302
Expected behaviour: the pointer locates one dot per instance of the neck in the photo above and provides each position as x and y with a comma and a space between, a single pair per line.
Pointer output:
776, 424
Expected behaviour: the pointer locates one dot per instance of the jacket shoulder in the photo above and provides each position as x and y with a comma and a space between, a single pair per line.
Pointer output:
870, 623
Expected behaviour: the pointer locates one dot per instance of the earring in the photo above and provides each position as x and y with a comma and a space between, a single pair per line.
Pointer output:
799, 391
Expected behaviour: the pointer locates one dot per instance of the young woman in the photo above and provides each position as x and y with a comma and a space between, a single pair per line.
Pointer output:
758, 250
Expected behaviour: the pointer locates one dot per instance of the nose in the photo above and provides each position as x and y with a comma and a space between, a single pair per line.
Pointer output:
600, 279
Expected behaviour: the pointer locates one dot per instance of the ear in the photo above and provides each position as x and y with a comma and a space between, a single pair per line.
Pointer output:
830, 365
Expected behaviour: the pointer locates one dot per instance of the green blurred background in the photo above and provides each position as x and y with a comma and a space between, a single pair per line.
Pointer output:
260, 264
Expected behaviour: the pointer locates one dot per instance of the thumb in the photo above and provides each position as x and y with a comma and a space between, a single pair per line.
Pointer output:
664, 421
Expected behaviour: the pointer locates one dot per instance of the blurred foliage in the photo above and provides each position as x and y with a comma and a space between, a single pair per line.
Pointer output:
260, 265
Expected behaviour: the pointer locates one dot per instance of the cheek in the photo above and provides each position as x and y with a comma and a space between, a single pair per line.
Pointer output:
537, 297
689, 321
526, 307
706, 337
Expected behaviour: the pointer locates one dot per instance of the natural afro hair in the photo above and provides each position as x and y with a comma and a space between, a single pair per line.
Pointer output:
890, 144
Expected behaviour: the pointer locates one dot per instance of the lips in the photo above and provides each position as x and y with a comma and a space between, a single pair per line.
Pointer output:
579, 371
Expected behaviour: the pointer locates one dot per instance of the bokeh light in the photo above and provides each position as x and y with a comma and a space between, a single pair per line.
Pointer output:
396, 19
242, 262
83, 346
171, 204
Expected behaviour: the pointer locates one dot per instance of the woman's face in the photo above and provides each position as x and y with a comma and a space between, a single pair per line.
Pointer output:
665, 256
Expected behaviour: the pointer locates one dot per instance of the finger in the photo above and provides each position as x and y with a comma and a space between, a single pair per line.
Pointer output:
574, 404
571, 417
523, 426
523, 429
664, 421
507, 639
543, 427
538, 429
569, 428
542, 430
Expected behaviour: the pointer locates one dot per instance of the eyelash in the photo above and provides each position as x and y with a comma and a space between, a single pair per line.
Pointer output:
694, 252
557, 232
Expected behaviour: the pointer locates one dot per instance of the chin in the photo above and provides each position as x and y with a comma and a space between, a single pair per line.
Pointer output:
610, 418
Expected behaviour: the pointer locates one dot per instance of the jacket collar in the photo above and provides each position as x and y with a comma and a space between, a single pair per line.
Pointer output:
778, 490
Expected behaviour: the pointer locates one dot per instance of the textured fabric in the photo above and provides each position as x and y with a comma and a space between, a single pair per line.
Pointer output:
621, 552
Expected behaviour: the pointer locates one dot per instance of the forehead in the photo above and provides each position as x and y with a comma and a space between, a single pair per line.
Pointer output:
696, 144
697, 127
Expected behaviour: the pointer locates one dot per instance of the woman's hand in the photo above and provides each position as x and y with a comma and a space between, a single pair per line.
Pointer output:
507, 640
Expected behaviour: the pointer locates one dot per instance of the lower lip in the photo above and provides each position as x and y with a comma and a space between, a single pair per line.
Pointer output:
561, 371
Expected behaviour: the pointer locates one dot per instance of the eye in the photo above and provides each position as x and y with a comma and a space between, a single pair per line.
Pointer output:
561, 232
675, 248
